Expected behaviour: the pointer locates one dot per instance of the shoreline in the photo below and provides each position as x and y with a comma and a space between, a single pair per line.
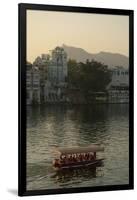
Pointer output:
78, 104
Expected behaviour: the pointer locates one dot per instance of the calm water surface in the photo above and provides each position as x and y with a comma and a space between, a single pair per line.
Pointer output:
77, 126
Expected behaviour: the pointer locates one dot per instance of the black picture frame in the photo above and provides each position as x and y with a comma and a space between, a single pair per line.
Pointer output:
22, 98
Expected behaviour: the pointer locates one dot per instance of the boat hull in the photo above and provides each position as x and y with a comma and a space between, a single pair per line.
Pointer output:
79, 164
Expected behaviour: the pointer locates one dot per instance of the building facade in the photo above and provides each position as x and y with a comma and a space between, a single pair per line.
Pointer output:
118, 89
46, 78
32, 85
42, 62
56, 83
57, 69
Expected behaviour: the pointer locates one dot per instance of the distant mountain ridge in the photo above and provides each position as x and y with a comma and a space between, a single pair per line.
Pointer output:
110, 59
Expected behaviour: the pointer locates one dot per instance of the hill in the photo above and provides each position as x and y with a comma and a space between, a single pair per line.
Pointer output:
110, 59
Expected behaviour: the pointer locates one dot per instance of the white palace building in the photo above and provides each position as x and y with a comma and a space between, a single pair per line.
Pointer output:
118, 89
46, 78
32, 84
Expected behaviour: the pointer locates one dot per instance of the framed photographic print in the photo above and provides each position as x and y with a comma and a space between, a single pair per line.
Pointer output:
75, 99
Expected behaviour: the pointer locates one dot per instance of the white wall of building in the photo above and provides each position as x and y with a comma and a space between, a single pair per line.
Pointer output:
57, 70
120, 76
33, 85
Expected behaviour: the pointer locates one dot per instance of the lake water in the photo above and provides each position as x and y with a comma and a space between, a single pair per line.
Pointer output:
68, 126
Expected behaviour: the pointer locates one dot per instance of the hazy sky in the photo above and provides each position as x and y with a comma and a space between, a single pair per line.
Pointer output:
92, 32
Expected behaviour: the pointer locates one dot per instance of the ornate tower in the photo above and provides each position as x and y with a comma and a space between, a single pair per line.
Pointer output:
58, 68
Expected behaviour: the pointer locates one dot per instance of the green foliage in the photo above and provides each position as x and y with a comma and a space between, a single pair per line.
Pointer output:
91, 76
73, 74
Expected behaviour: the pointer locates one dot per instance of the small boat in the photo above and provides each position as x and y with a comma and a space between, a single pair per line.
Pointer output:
77, 157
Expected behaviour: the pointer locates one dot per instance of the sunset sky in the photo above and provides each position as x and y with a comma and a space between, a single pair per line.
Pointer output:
92, 32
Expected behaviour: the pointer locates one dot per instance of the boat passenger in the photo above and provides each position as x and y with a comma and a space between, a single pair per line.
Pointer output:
77, 158
71, 159
84, 157
63, 160
80, 157
87, 156
74, 158
56, 163
91, 157
66, 160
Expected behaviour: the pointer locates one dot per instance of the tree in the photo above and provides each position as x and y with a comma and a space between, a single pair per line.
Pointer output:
91, 76
96, 76
73, 73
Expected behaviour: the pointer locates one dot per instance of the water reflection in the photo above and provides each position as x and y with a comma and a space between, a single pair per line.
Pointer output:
75, 175
67, 126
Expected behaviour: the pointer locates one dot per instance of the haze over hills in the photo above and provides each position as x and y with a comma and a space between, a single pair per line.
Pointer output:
110, 59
